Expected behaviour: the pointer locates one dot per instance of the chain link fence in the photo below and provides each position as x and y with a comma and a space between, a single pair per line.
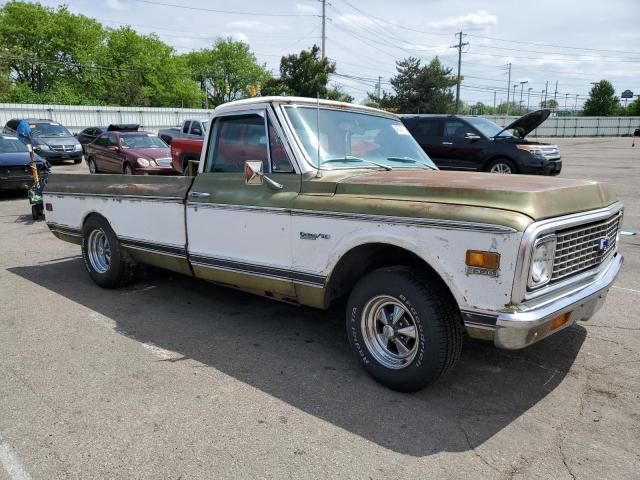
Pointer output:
579, 126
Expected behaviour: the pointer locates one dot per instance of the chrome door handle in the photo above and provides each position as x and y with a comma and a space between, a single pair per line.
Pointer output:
199, 194
447, 143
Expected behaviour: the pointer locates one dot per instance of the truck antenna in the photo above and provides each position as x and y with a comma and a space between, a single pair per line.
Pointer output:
318, 173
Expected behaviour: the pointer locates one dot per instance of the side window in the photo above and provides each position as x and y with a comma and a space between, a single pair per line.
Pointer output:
428, 131
112, 140
102, 141
186, 127
280, 162
236, 140
456, 129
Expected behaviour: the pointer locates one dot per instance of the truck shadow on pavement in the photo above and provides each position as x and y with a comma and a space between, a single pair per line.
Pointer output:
301, 356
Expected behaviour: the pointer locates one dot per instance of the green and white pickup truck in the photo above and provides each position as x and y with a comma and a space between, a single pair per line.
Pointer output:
312, 202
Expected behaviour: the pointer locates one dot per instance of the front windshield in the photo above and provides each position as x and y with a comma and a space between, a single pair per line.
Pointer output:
142, 141
48, 130
11, 145
487, 127
355, 140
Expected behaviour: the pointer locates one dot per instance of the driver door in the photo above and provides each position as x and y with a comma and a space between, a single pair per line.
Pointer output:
239, 223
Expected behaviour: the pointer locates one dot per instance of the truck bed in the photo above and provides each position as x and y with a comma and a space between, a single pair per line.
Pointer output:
159, 211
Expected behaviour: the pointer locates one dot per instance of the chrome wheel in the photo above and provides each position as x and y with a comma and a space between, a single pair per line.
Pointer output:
99, 251
92, 166
501, 168
389, 332
127, 170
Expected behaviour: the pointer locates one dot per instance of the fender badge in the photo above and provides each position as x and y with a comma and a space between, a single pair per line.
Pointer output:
314, 236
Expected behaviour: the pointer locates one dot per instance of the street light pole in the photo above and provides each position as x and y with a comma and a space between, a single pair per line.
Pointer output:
521, 90
575, 107
515, 85
566, 97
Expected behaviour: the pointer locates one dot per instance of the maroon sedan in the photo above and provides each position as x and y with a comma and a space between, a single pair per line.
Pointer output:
131, 153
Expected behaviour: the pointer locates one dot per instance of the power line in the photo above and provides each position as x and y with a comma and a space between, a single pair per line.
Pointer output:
230, 12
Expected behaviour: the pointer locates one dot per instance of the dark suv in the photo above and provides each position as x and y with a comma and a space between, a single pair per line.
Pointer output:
49, 139
474, 143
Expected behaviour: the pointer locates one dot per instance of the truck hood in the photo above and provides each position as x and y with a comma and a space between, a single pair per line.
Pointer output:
16, 159
538, 197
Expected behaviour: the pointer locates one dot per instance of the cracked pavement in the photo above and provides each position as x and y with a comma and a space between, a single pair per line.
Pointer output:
175, 378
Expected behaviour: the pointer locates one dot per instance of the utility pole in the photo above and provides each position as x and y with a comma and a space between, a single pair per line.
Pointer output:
555, 94
508, 86
494, 102
546, 90
528, 97
575, 107
459, 47
566, 98
379, 89
513, 97
324, 24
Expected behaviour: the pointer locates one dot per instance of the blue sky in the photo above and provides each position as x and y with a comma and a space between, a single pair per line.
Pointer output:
366, 37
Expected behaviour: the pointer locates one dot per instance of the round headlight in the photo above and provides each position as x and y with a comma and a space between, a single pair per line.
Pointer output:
542, 262
143, 162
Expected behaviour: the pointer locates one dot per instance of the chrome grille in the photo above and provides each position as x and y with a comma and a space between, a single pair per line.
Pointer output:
586, 246
63, 148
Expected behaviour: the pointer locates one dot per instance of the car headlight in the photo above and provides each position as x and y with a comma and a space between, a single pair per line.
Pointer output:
542, 257
143, 162
78, 147
42, 146
532, 149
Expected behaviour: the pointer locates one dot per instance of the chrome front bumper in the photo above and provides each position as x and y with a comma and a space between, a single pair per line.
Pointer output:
528, 324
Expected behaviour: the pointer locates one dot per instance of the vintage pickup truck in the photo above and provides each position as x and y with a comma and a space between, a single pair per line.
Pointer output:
312, 202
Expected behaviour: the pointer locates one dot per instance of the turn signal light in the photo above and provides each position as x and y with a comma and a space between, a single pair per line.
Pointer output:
559, 321
480, 259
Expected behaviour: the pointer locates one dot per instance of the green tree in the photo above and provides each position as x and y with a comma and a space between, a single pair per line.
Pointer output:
48, 48
228, 71
421, 89
142, 70
304, 75
549, 103
336, 92
602, 100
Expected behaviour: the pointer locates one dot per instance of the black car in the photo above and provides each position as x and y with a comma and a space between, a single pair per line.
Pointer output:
88, 135
15, 164
49, 139
457, 142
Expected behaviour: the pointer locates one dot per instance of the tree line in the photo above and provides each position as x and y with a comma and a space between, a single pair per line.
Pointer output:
50, 55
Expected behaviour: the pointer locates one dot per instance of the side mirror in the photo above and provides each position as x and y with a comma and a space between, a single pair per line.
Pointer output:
254, 175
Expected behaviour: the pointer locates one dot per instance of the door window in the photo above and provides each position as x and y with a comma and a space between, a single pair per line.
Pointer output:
456, 129
102, 141
428, 131
236, 140
186, 126
112, 140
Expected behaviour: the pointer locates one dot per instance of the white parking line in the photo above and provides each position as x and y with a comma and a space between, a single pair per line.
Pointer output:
11, 463
626, 289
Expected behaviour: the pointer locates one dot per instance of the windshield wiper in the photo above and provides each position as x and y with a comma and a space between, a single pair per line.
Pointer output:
410, 160
352, 159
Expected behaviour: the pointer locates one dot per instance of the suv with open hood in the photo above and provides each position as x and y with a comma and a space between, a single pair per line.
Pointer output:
475, 143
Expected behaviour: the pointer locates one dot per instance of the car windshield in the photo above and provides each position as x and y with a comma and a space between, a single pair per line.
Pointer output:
48, 130
142, 141
11, 145
355, 140
487, 127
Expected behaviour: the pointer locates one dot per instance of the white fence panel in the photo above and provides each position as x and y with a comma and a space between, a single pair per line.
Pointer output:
77, 117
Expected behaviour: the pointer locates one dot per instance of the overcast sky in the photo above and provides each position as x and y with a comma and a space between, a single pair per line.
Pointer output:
572, 41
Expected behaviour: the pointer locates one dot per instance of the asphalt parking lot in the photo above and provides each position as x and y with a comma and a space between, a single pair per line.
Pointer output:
175, 378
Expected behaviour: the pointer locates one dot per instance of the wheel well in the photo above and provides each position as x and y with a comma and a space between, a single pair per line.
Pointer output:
499, 157
363, 259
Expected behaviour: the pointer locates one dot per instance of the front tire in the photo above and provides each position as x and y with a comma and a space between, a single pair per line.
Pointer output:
107, 263
92, 165
501, 166
404, 327
127, 169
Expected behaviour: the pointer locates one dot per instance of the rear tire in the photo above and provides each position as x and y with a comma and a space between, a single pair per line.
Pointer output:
404, 327
107, 263
502, 166
77, 160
